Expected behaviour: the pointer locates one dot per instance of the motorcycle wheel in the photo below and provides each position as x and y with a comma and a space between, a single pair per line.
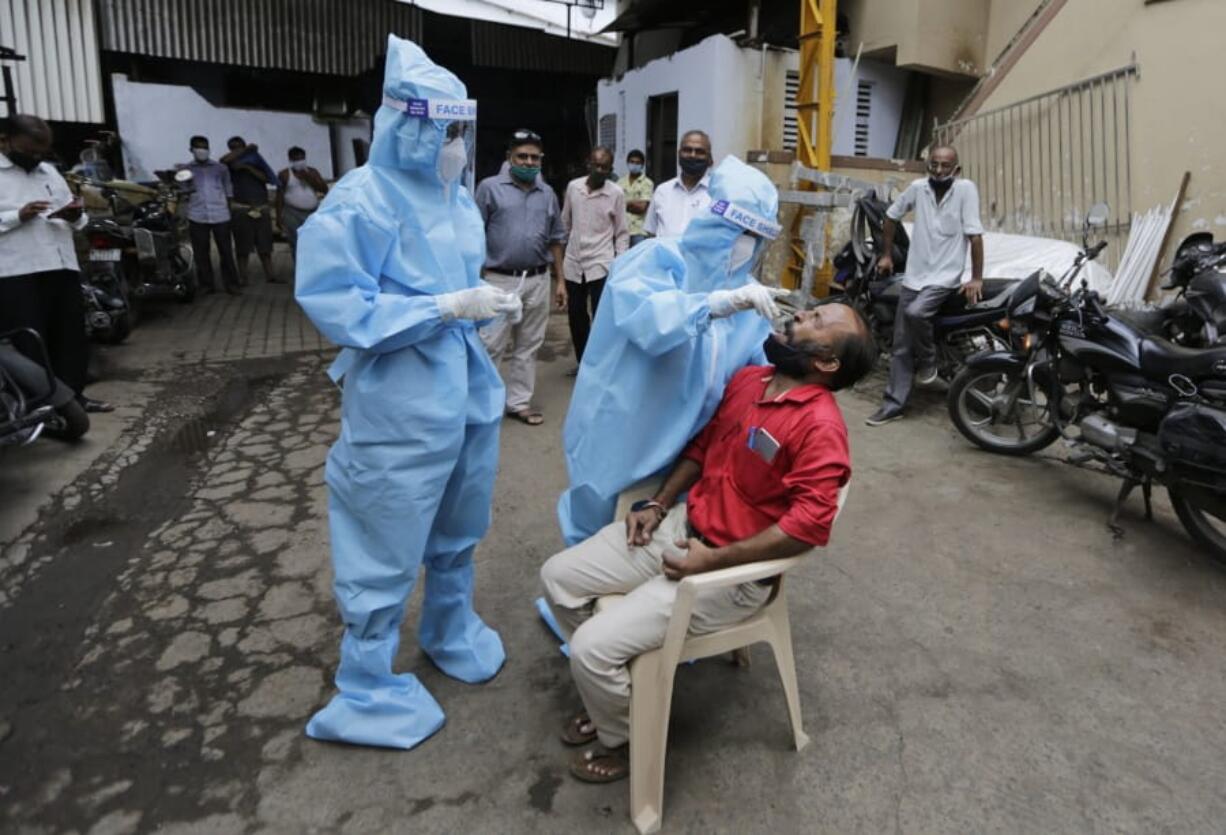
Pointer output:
185, 273
72, 421
976, 400
1203, 516
121, 327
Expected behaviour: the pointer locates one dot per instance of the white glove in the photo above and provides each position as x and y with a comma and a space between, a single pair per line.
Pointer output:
749, 296
477, 303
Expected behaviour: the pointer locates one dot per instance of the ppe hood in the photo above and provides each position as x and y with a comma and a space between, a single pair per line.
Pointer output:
742, 200
409, 132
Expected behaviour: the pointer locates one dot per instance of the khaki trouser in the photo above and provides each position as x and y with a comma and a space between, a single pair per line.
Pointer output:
527, 335
602, 645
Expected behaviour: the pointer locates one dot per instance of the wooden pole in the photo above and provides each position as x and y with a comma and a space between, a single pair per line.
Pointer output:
1166, 236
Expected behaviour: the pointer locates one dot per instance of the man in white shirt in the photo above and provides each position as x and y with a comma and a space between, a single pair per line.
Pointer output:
946, 222
678, 200
40, 279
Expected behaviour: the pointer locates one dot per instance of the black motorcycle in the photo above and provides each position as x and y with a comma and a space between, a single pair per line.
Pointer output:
144, 242
104, 285
1199, 308
959, 331
32, 399
1146, 409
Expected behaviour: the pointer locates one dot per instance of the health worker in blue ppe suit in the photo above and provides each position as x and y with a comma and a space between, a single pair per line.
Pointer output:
389, 268
679, 318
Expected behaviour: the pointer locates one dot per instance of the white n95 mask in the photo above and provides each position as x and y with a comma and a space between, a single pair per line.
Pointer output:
742, 251
452, 159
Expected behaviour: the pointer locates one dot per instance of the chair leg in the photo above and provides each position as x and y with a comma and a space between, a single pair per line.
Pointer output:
781, 645
651, 697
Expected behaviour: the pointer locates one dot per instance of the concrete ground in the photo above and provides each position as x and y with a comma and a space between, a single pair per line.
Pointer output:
975, 651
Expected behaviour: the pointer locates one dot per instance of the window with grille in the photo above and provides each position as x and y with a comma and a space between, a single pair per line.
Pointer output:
864, 112
607, 132
791, 85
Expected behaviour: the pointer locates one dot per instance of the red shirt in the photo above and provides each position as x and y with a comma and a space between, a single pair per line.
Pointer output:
741, 493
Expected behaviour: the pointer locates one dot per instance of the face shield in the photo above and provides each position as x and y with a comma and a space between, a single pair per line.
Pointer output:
445, 135
756, 233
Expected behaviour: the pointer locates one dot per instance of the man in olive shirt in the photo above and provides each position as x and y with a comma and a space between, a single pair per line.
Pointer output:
638, 189
523, 244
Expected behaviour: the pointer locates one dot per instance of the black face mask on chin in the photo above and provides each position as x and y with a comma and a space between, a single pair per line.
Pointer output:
24, 161
789, 361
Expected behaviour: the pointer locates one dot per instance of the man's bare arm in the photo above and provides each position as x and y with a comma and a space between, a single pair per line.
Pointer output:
976, 257
885, 260
770, 544
640, 525
684, 476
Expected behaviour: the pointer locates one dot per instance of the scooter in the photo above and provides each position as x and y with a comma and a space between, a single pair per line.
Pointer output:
32, 399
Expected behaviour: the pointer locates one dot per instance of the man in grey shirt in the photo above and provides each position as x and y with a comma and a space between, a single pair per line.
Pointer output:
946, 222
208, 214
523, 240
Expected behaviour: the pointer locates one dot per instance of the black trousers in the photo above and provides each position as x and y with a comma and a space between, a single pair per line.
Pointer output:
200, 233
50, 303
582, 296
252, 234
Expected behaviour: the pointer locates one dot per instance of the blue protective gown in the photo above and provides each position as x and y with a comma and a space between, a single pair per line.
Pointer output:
656, 362
411, 477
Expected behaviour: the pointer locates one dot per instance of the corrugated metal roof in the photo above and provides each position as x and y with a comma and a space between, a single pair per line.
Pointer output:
60, 78
514, 48
333, 37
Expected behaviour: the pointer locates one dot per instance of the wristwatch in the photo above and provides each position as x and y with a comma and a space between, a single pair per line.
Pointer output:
643, 504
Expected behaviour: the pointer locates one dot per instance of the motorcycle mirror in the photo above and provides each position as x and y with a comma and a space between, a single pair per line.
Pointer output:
1098, 214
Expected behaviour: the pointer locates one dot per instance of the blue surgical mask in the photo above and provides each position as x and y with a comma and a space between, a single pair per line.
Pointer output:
634, 167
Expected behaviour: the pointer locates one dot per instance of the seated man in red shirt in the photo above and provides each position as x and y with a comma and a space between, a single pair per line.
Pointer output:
763, 480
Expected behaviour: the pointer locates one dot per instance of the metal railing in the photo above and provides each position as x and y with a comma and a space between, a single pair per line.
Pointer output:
1041, 162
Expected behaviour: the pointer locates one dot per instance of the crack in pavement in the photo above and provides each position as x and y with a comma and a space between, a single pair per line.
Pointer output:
207, 636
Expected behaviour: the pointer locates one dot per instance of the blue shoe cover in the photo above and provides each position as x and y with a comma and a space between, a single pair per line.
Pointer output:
542, 609
398, 714
452, 634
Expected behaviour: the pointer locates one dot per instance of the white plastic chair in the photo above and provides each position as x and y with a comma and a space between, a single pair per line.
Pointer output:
651, 674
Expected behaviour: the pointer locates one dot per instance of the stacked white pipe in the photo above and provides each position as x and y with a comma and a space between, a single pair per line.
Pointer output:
1145, 236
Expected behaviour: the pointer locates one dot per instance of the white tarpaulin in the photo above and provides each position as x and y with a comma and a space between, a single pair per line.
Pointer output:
1017, 256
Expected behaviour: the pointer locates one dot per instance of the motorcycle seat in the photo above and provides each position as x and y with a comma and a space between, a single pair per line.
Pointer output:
1146, 320
996, 294
1162, 359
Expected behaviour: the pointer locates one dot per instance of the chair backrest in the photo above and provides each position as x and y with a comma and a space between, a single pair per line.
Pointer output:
842, 501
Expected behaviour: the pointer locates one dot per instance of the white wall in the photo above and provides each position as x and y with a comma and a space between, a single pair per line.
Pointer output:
721, 89
716, 85
885, 112
157, 120
343, 134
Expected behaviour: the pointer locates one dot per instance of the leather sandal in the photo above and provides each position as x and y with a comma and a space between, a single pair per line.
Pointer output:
602, 765
573, 733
